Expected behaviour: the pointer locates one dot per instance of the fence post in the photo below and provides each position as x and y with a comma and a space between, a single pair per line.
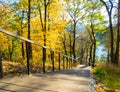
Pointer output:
63, 63
52, 59
44, 58
70, 64
76, 62
66, 62
28, 58
59, 61
1, 66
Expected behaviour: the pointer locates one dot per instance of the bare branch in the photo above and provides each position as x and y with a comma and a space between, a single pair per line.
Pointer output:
105, 5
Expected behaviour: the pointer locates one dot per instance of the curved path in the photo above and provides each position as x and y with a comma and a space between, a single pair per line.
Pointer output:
73, 80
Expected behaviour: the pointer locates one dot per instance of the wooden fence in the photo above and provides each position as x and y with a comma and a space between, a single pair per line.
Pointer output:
67, 62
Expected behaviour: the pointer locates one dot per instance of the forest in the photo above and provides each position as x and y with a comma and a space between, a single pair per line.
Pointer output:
85, 30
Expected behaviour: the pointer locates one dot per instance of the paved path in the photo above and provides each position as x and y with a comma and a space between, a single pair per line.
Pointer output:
74, 80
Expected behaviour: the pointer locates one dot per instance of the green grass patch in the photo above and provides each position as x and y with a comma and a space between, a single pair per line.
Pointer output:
108, 75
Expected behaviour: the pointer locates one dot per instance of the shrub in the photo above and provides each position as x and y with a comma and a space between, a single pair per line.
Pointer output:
108, 74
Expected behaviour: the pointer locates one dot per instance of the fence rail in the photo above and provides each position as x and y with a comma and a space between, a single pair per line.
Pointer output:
64, 60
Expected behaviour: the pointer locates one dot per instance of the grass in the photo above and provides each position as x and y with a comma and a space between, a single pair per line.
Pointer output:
108, 75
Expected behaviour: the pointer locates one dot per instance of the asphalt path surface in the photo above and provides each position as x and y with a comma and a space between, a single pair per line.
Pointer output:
73, 80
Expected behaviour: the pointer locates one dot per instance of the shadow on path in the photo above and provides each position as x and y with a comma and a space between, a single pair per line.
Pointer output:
73, 80
14, 84
6, 90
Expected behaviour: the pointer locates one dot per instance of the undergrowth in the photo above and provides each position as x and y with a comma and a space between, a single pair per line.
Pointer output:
108, 75
11, 68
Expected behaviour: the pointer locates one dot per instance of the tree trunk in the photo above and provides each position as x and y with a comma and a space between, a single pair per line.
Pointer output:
91, 48
111, 43
86, 59
48, 8
11, 50
74, 39
116, 59
23, 52
21, 33
44, 31
70, 46
10, 53
90, 53
94, 54
45, 18
94, 47
93, 41
29, 44
64, 44
109, 11
108, 55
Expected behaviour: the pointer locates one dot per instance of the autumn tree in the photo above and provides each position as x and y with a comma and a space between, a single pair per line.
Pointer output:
5, 23
116, 58
82, 47
109, 7
74, 9
96, 24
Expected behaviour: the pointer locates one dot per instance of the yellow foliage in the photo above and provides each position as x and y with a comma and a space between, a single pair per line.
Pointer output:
56, 25
100, 90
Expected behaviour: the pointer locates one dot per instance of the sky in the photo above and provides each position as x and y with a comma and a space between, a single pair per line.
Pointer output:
9, 1
100, 51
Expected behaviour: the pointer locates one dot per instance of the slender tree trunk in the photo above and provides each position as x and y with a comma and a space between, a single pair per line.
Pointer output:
23, 52
116, 59
11, 50
91, 48
22, 47
70, 46
64, 44
94, 54
64, 47
45, 19
41, 21
94, 48
90, 53
29, 11
109, 11
108, 55
111, 43
21, 33
94, 42
48, 8
29, 44
86, 59
10, 53
74, 39
44, 31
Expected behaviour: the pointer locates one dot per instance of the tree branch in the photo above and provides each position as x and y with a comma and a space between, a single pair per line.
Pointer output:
105, 6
